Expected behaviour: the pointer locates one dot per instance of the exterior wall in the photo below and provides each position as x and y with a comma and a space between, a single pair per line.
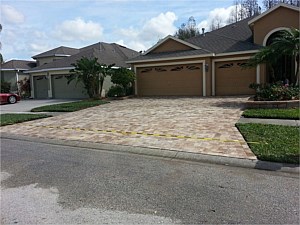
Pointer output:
284, 17
171, 46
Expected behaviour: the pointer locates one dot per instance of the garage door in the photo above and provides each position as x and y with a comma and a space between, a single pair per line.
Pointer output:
61, 88
170, 80
40, 87
232, 79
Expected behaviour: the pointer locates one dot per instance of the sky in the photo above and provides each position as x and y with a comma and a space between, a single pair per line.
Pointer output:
30, 27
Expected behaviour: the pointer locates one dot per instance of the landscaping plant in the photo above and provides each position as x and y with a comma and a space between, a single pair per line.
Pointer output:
91, 73
275, 92
123, 78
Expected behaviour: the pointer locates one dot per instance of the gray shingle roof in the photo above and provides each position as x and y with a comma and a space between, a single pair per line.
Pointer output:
62, 50
231, 38
174, 54
18, 65
106, 53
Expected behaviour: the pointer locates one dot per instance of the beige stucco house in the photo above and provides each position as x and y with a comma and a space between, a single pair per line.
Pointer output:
49, 78
212, 64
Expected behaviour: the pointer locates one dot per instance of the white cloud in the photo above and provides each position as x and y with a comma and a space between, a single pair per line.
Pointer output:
220, 15
159, 27
78, 29
10, 15
154, 29
37, 48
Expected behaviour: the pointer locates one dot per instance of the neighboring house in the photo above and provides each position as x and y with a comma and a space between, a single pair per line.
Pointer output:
49, 78
212, 64
13, 71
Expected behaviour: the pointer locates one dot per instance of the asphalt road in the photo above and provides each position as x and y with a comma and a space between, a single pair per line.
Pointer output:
44, 183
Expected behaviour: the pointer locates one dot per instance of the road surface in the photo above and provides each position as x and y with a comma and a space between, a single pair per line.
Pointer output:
46, 183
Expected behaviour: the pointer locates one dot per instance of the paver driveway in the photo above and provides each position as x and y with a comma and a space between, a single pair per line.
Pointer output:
199, 125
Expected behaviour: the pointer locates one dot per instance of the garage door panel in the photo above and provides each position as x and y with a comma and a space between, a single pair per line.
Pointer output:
40, 87
232, 79
61, 88
167, 81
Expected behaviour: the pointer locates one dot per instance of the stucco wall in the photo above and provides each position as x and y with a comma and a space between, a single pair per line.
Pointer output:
171, 46
281, 17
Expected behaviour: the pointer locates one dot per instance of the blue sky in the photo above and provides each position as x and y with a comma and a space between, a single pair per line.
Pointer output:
33, 26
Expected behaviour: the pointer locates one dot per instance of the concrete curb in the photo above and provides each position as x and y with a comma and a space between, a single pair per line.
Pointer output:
165, 153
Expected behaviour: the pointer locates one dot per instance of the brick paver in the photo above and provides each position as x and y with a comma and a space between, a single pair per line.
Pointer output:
204, 118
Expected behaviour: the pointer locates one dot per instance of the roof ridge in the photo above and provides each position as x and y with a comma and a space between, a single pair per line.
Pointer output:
117, 48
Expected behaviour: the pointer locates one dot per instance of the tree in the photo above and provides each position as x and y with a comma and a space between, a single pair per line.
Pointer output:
187, 31
270, 3
285, 44
91, 73
216, 23
124, 78
243, 9
251, 8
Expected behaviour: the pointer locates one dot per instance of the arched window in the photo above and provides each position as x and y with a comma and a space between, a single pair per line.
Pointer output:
284, 68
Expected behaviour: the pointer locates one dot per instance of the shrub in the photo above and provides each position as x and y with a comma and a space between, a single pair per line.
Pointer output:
116, 91
275, 92
24, 86
5, 86
124, 78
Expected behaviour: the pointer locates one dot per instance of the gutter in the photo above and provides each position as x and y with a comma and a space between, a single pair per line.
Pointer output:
50, 69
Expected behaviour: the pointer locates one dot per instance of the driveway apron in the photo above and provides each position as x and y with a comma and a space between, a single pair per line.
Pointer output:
198, 125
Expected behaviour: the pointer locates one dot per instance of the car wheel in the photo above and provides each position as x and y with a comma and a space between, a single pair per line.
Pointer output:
12, 99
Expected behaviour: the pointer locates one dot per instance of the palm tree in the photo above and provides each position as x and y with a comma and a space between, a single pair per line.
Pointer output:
91, 73
285, 44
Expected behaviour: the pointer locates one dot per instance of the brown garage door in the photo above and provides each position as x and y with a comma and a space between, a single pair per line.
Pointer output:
170, 80
232, 79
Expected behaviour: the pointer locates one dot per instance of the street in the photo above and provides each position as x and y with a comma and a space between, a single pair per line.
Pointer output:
53, 184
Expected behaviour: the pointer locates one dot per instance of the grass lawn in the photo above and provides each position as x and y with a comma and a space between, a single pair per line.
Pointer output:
12, 118
70, 106
276, 143
293, 114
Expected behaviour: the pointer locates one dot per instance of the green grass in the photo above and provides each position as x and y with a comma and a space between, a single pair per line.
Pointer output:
12, 118
275, 143
69, 107
293, 114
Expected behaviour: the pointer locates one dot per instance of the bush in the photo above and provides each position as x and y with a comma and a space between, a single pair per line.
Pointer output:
5, 87
116, 91
124, 78
275, 92
24, 86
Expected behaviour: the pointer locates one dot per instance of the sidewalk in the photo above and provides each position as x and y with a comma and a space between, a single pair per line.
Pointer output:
282, 122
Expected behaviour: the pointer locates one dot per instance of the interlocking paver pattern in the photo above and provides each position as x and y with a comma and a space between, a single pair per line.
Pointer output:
200, 117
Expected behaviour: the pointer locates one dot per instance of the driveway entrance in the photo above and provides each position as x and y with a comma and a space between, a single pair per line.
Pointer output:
198, 125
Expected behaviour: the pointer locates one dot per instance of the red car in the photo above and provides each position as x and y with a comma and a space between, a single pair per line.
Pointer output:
9, 98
